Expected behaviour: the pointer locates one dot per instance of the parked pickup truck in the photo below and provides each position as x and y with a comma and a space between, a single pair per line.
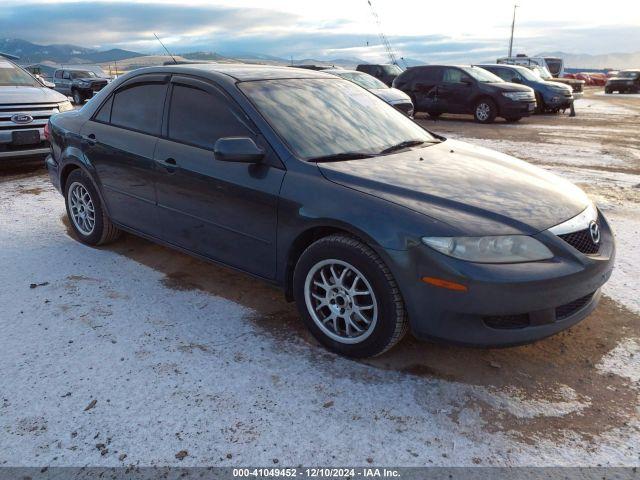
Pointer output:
25, 107
78, 84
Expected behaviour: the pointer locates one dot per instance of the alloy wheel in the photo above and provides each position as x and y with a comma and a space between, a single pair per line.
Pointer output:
483, 111
82, 209
341, 301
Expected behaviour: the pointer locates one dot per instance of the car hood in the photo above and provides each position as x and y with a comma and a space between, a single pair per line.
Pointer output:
509, 87
567, 81
475, 190
558, 85
21, 94
391, 95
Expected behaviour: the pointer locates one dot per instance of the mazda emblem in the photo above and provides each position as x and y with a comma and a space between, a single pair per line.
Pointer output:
21, 118
594, 230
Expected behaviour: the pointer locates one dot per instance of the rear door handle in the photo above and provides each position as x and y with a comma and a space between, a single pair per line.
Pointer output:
90, 139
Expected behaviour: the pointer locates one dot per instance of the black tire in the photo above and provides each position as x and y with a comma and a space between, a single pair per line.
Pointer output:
78, 98
540, 106
103, 231
391, 323
513, 119
434, 115
485, 111
608, 91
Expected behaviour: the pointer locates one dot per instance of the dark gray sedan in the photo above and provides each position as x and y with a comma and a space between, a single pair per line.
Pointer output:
372, 224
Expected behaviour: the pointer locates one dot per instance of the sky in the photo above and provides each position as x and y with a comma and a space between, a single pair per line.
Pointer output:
426, 30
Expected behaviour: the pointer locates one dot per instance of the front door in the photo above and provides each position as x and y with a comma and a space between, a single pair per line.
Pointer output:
456, 91
120, 141
225, 211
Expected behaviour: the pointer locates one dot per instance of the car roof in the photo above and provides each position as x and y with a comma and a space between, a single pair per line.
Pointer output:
502, 65
242, 72
343, 70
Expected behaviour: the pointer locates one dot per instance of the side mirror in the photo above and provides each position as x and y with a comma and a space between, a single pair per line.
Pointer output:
237, 149
467, 81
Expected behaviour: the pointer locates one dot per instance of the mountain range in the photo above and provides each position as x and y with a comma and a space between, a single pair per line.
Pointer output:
66, 54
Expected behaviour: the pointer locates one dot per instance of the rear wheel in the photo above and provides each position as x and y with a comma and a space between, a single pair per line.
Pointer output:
86, 214
348, 298
485, 111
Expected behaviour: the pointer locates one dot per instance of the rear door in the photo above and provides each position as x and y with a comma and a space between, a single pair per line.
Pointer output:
425, 88
120, 141
226, 211
65, 83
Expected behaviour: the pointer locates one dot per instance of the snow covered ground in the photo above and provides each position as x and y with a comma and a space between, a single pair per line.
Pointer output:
133, 353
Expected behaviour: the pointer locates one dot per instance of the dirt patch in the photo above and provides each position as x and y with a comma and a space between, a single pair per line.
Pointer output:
541, 373
32, 191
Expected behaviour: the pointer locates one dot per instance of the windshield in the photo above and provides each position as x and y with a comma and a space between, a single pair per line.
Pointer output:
542, 72
392, 69
628, 74
528, 74
482, 75
11, 75
363, 79
82, 74
327, 117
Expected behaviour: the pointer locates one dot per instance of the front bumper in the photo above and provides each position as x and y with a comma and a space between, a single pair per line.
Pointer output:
560, 100
510, 108
508, 304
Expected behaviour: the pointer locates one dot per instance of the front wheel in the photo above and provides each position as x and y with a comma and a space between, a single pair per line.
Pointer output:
485, 111
78, 99
86, 214
348, 298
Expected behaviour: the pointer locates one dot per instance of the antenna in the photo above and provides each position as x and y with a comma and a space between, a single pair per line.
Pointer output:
166, 49
513, 26
383, 37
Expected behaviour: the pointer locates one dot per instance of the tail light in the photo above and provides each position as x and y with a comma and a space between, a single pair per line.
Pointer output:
47, 132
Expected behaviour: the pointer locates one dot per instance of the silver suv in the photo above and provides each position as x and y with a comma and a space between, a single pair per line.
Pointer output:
25, 107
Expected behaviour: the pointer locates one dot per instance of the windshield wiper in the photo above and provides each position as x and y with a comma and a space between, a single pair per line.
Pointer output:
403, 145
336, 157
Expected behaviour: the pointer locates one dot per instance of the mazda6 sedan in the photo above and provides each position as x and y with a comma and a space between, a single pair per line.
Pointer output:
372, 224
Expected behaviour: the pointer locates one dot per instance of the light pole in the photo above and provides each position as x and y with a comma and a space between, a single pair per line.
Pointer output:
513, 26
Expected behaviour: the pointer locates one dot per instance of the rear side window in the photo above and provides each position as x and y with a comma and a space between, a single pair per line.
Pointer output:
428, 75
58, 74
453, 75
139, 107
200, 118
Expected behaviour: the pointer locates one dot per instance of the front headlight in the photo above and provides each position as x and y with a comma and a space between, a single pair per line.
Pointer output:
494, 249
517, 95
65, 106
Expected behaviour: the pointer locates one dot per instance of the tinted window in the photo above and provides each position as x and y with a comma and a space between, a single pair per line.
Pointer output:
200, 118
58, 74
427, 74
104, 114
453, 75
139, 107
504, 73
319, 117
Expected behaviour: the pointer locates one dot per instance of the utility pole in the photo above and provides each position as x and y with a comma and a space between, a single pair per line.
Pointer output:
513, 26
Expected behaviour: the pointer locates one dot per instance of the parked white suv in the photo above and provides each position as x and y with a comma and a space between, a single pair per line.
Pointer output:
25, 107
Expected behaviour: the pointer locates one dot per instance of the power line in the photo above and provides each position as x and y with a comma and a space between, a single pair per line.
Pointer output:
383, 37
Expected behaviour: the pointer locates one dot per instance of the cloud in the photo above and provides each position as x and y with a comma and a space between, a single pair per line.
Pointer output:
231, 30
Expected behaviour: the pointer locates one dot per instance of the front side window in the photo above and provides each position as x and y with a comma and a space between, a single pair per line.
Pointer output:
66, 75
323, 117
632, 75
453, 75
139, 107
200, 118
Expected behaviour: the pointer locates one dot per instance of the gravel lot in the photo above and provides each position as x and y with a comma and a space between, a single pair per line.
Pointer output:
135, 354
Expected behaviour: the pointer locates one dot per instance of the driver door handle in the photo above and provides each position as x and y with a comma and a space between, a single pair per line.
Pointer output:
169, 164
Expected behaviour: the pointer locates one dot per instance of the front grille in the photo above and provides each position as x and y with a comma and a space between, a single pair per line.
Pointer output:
568, 309
507, 322
582, 242
97, 86
40, 113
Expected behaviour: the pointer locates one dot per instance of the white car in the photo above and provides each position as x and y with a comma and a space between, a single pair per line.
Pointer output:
25, 107
392, 96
